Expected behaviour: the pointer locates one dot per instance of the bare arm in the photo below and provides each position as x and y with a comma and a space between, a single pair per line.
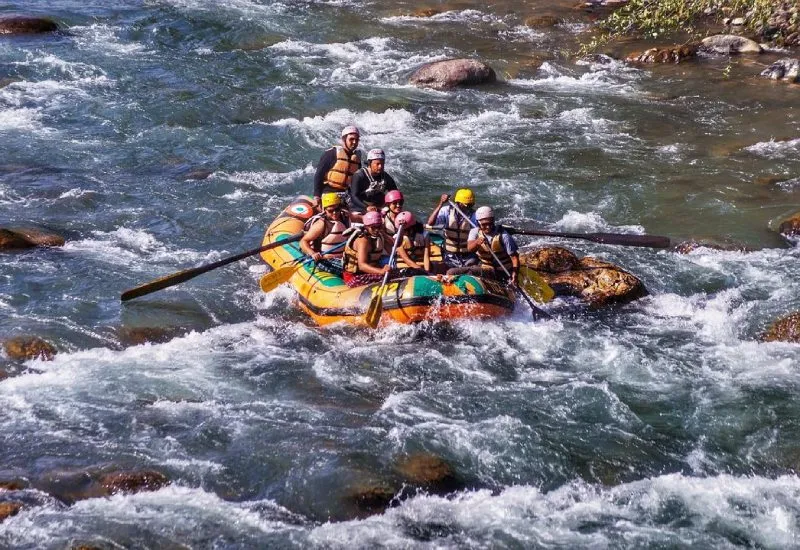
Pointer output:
442, 201
406, 258
313, 233
362, 248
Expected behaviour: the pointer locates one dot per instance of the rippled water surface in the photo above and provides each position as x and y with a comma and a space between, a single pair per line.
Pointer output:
663, 423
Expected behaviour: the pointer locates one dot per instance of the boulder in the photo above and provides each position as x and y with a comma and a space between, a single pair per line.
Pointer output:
729, 44
198, 174
8, 509
542, 21
783, 69
370, 497
25, 237
26, 25
426, 12
134, 336
72, 486
133, 481
22, 348
691, 245
791, 226
428, 472
677, 54
443, 75
9, 240
13, 485
785, 329
596, 282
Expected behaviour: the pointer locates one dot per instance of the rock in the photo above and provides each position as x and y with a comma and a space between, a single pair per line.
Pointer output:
8, 509
677, 54
13, 485
729, 44
691, 245
22, 348
24, 237
770, 180
552, 259
26, 25
133, 482
426, 12
785, 329
542, 21
134, 336
443, 75
429, 472
70, 487
791, 226
199, 174
783, 69
738, 21
371, 497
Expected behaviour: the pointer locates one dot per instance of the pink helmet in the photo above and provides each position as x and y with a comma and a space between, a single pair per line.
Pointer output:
405, 218
372, 218
393, 196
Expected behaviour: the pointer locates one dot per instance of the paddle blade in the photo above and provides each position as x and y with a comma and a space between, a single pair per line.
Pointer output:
274, 279
534, 285
374, 311
625, 239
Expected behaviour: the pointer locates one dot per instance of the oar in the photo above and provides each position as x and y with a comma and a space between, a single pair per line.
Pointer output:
623, 239
535, 311
536, 287
375, 309
274, 279
185, 275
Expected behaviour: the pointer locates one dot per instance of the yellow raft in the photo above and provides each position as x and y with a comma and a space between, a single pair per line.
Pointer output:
327, 299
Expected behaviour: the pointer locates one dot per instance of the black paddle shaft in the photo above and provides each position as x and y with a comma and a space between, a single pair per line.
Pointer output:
622, 239
183, 276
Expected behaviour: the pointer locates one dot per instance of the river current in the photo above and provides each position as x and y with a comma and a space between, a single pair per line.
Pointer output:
663, 423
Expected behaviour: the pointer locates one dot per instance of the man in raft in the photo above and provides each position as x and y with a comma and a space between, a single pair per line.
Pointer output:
456, 227
326, 231
488, 238
365, 252
371, 183
337, 165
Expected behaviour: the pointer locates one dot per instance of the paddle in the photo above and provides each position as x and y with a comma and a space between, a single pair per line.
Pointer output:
536, 287
623, 239
182, 276
375, 309
535, 311
274, 279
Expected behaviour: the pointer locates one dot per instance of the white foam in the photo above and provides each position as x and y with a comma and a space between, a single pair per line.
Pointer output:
475, 17
105, 38
776, 149
602, 79
268, 180
587, 222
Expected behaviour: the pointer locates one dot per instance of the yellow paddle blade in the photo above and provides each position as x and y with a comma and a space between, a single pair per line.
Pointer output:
274, 279
374, 311
534, 285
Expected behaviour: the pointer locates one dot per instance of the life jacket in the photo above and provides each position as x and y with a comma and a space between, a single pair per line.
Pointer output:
456, 233
333, 234
414, 246
496, 243
376, 251
341, 173
388, 224
376, 189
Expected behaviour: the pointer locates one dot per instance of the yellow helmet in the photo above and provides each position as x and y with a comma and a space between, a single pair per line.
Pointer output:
331, 199
465, 196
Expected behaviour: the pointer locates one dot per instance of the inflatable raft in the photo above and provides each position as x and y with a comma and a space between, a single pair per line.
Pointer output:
327, 299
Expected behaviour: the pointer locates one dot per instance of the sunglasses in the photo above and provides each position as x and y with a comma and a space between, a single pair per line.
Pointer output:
398, 203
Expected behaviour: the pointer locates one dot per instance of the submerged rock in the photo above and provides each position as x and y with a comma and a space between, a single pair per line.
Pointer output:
71, 486
13, 485
729, 44
542, 21
26, 25
443, 75
783, 69
691, 245
198, 174
370, 496
791, 226
22, 348
133, 482
596, 282
8, 509
428, 472
426, 12
785, 329
676, 54
134, 336
16, 238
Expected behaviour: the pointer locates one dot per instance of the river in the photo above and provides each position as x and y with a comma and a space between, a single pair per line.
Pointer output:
663, 423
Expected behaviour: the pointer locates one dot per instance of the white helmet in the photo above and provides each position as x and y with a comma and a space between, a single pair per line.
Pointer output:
376, 154
347, 130
484, 212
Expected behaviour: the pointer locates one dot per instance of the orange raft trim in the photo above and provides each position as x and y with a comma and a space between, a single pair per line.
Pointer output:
326, 298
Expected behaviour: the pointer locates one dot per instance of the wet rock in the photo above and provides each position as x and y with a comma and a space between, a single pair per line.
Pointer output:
70, 486
13, 485
371, 496
133, 482
135, 336
8, 509
785, 329
22, 348
790, 227
783, 69
199, 174
770, 180
16, 238
553, 259
542, 21
691, 245
451, 73
428, 472
426, 12
677, 54
729, 44
26, 25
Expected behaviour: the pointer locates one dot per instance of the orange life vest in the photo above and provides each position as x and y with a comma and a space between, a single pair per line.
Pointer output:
341, 173
376, 252
496, 244
456, 233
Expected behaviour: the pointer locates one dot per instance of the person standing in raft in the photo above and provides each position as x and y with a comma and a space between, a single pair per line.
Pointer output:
414, 250
456, 228
365, 251
371, 183
326, 231
488, 238
337, 165
394, 205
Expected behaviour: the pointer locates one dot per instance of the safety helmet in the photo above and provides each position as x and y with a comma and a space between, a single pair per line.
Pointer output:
372, 218
376, 154
393, 196
347, 130
465, 196
331, 199
484, 212
405, 218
